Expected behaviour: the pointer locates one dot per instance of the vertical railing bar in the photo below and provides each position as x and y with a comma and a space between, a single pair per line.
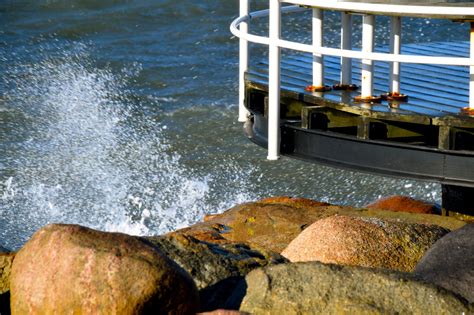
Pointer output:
318, 59
243, 61
274, 81
395, 48
471, 69
346, 43
367, 64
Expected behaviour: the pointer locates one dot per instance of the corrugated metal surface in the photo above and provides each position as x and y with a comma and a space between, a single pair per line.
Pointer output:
434, 91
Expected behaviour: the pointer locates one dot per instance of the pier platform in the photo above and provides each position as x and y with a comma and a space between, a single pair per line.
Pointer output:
426, 137
403, 110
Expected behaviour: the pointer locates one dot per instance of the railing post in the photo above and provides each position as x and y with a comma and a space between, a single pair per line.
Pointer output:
274, 81
317, 33
346, 43
243, 61
367, 64
395, 46
471, 70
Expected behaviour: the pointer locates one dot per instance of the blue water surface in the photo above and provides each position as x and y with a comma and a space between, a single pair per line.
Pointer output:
121, 115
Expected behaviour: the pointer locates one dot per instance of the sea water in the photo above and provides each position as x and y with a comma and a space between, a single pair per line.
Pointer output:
121, 116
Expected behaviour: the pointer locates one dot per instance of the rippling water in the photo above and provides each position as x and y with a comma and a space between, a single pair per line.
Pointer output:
121, 116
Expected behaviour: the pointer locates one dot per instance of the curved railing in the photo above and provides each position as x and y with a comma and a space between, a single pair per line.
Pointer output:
239, 28
338, 52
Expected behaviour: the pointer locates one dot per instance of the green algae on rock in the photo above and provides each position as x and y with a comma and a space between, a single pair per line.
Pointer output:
267, 225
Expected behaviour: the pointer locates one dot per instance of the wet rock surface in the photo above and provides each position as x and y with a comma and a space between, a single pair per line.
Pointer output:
72, 269
271, 223
450, 262
368, 242
274, 222
316, 288
215, 268
404, 204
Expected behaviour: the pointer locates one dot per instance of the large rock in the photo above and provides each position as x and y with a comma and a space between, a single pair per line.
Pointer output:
369, 242
315, 288
450, 262
270, 223
405, 204
215, 268
65, 269
274, 222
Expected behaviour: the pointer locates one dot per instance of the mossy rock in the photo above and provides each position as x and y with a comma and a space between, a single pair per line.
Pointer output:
273, 223
316, 288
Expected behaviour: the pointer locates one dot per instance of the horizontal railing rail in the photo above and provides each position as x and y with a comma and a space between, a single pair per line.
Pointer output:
337, 52
239, 27
446, 11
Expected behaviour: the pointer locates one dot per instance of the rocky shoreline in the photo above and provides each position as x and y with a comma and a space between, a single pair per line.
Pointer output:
277, 255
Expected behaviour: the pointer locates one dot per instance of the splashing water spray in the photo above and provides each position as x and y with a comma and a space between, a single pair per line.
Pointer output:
81, 155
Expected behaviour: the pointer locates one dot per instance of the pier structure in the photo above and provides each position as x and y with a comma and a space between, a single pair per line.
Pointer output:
403, 110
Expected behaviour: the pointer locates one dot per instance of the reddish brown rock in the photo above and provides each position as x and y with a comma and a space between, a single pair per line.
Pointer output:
404, 204
368, 242
69, 269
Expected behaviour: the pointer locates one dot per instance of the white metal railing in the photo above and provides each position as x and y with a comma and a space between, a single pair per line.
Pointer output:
243, 60
239, 28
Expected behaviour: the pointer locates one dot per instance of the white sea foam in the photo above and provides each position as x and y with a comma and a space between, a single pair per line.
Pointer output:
88, 156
